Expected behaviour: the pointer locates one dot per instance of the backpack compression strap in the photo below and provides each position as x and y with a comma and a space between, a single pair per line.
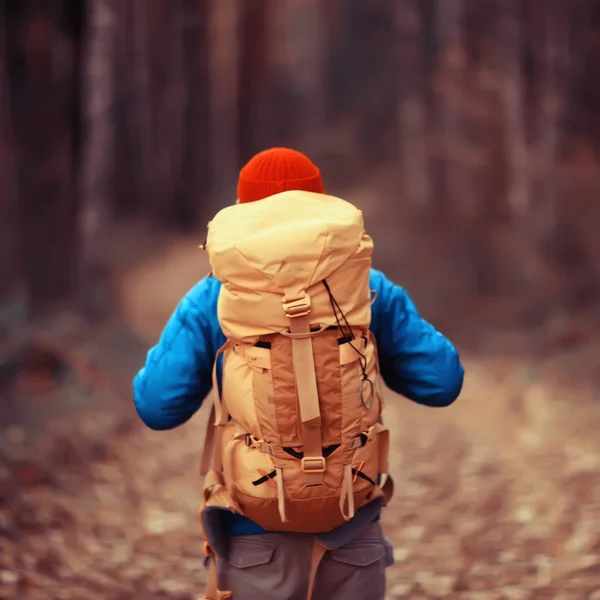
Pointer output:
219, 415
298, 311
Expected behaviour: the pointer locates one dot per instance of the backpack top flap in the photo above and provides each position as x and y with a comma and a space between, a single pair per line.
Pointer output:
285, 243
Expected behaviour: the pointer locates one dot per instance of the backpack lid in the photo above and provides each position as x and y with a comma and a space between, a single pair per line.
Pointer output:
284, 243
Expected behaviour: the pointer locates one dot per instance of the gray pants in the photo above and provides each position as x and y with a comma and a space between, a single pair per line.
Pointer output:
275, 566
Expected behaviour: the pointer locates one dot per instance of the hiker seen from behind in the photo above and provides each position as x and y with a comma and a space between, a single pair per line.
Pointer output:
297, 335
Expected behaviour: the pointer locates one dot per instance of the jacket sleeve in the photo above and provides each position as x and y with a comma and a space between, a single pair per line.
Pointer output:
416, 361
177, 375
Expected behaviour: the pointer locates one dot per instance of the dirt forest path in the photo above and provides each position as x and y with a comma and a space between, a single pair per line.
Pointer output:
497, 496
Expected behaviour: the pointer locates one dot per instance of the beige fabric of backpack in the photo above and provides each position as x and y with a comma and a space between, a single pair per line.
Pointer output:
298, 443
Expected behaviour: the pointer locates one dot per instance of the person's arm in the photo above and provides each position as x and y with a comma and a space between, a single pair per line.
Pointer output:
177, 375
416, 361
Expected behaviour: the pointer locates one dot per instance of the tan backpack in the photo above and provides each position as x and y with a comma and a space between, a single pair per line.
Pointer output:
298, 443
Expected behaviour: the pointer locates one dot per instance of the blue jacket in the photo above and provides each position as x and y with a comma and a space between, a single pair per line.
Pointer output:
416, 361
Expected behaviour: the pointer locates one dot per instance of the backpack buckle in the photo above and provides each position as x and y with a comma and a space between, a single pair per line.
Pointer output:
297, 307
313, 464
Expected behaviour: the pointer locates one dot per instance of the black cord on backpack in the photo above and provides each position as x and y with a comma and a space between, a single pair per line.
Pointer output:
336, 307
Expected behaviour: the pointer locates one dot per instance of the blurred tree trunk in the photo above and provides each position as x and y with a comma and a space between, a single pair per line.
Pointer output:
127, 194
484, 215
97, 176
8, 247
590, 91
454, 190
337, 27
194, 185
298, 58
576, 113
536, 212
223, 85
509, 61
311, 61
257, 113
412, 108
43, 42
165, 38
573, 279
141, 102
510, 36
551, 54
456, 211
372, 34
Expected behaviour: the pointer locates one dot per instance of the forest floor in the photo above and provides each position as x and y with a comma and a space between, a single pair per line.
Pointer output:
498, 496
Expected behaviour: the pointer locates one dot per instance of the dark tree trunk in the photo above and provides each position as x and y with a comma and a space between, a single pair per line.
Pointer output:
412, 108
142, 107
223, 86
297, 67
194, 189
127, 196
44, 41
167, 93
8, 239
256, 113
372, 34
97, 169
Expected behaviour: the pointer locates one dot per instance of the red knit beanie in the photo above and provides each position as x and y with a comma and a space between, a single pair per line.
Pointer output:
277, 170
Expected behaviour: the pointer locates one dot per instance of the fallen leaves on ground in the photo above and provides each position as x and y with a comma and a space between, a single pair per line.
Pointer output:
497, 497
